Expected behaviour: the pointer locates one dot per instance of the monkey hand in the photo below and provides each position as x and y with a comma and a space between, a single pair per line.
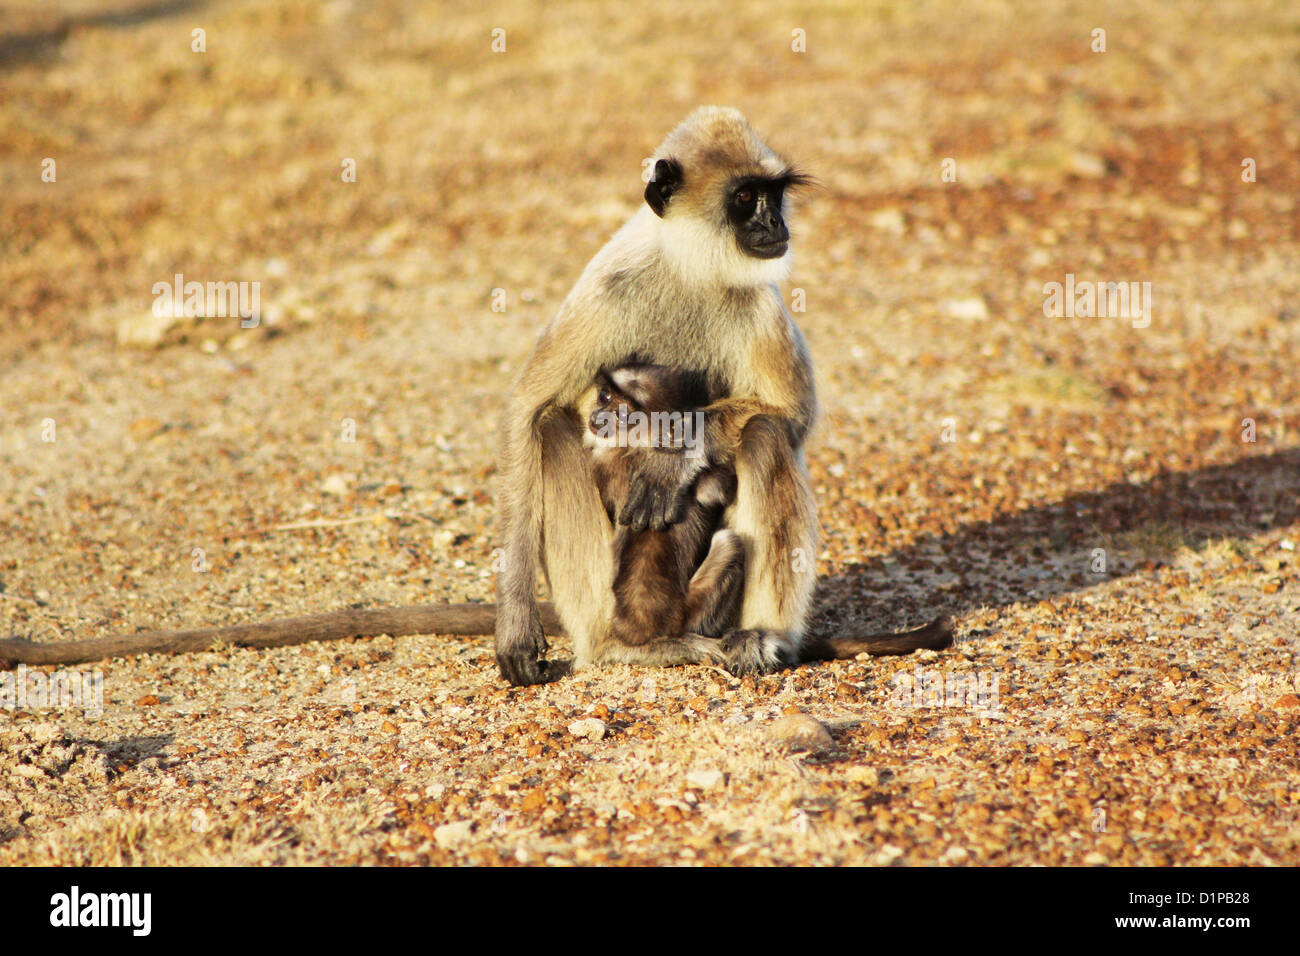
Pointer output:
659, 490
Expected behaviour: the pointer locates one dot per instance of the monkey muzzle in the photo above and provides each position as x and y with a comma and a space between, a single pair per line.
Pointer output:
605, 421
767, 237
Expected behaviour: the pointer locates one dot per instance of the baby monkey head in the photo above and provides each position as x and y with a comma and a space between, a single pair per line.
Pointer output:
644, 406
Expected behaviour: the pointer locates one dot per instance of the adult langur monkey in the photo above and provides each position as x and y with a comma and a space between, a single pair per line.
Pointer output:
690, 282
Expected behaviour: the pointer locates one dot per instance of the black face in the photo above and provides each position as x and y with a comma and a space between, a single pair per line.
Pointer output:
754, 211
753, 206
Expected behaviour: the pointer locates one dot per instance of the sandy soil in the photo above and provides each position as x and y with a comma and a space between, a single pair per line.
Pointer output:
975, 455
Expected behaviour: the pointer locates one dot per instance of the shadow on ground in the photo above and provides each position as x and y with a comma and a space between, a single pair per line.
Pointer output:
1048, 552
36, 45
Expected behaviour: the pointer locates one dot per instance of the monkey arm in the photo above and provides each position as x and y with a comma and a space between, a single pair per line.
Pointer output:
774, 379
777, 383
659, 489
660, 486
520, 642
551, 381
724, 424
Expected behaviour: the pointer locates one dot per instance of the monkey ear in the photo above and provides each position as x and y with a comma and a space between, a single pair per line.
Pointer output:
666, 180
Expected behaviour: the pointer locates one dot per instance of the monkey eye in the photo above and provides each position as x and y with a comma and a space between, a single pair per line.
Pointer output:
603, 397
744, 197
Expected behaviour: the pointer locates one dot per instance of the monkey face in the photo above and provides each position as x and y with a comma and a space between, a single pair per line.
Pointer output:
754, 211
622, 408
753, 203
605, 409
609, 413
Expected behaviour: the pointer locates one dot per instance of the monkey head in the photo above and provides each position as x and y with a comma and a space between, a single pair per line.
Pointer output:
721, 194
641, 405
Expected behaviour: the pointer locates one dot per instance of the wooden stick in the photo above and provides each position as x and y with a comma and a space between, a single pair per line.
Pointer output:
330, 626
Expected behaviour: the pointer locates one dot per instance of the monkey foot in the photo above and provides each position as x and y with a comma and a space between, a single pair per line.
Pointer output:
756, 651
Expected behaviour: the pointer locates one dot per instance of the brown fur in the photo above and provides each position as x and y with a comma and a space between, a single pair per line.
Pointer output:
683, 579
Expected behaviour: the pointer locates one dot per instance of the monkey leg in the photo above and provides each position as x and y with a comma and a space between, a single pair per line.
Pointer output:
666, 651
520, 640
775, 516
647, 586
711, 604
576, 538
714, 594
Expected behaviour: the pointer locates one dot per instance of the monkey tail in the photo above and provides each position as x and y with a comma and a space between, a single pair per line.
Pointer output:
936, 636
330, 626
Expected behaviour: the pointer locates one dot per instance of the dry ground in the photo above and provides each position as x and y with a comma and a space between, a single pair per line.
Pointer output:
1146, 713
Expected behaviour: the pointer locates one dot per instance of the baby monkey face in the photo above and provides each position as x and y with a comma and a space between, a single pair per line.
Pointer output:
643, 406
612, 408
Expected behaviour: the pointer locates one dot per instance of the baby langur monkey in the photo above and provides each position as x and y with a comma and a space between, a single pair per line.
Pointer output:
689, 578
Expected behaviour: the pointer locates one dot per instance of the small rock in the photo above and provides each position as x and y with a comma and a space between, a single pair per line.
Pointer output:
148, 700
1286, 700
801, 732
143, 329
451, 835
968, 309
887, 854
336, 485
704, 779
142, 429
388, 727
888, 220
1087, 165
954, 854
867, 775
592, 728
